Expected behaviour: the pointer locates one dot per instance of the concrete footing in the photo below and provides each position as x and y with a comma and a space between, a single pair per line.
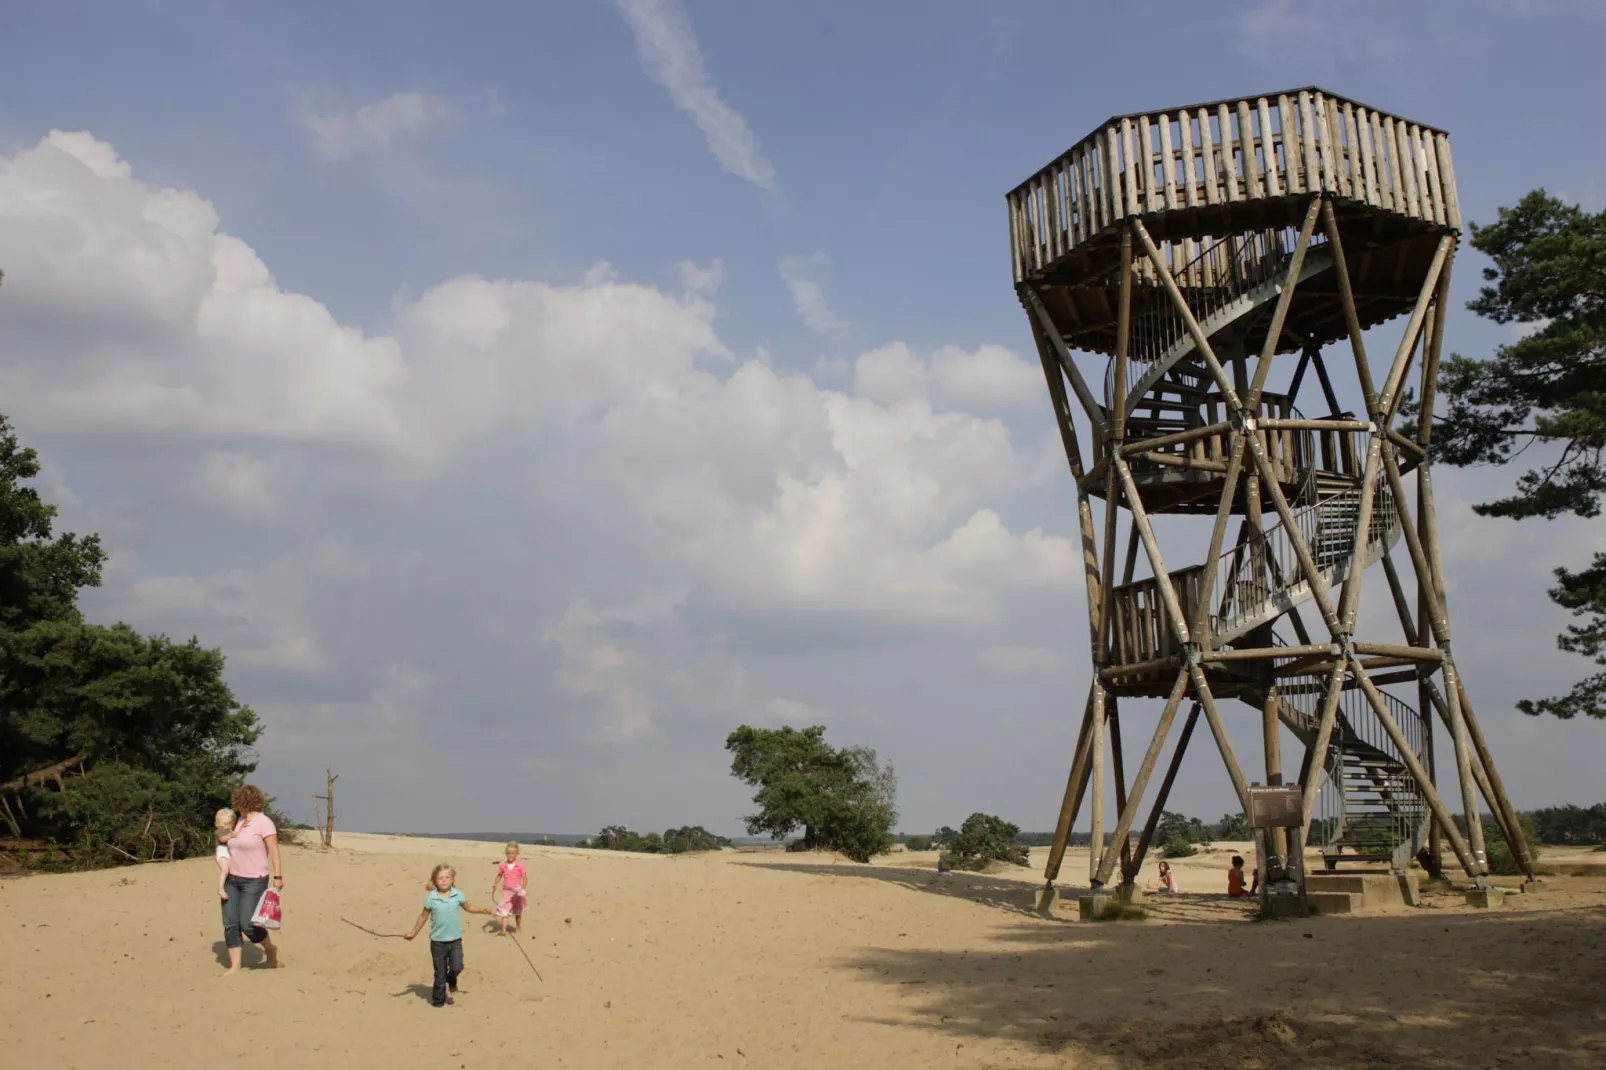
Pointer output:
1129, 895
1485, 897
1285, 906
1098, 907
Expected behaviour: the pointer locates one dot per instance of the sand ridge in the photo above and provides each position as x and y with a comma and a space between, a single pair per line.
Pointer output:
777, 960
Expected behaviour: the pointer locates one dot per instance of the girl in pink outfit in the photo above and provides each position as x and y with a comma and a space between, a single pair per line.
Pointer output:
510, 878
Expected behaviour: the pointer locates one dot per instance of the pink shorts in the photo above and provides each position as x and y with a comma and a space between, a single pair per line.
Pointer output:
510, 901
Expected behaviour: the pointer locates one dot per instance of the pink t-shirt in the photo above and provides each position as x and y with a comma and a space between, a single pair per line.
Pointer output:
512, 874
248, 855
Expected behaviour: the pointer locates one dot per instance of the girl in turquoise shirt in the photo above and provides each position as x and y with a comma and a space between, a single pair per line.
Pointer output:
442, 909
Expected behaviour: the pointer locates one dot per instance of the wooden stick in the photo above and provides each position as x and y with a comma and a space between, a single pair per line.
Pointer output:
1274, 330
526, 954
1350, 597
1258, 653
1129, 805
1074, 785
1134, 448
1413, 653
1095, 854
370, 932
1168, 592
1413, 328
1072, 372
1229, 485
1118, 763
1164, 794
1346, 295
1316, 753
1235, 773
1315, 425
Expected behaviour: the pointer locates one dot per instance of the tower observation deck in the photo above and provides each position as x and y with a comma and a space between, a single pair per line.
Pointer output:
1185, 273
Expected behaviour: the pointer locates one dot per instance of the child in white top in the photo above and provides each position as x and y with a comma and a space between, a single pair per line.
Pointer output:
223, 828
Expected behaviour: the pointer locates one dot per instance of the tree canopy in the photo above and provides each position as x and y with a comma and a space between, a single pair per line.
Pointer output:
1547, 388
118, 743
842, 799
984, 839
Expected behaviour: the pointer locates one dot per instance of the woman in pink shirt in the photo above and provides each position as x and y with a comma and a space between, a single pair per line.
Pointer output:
253, 861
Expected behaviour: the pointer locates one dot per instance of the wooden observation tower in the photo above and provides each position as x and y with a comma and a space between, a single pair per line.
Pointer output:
1218, 260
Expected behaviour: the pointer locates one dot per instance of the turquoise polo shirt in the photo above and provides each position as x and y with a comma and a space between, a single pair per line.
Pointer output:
445, 919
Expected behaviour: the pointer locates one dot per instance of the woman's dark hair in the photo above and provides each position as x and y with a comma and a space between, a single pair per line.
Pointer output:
1238, 860
248, 799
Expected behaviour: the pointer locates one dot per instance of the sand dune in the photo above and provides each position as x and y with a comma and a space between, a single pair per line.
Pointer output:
776, 960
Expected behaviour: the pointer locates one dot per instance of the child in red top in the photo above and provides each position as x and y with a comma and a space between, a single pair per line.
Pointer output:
1235, 878
510, 877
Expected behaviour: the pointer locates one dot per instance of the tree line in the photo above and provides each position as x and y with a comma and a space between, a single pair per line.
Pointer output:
672, 842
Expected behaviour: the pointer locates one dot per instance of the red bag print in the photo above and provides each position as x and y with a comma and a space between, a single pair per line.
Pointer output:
269, 912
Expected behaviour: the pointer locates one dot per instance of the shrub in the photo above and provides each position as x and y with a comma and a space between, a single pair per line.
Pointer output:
1501, 860
919, 843
1177, 845
984, 839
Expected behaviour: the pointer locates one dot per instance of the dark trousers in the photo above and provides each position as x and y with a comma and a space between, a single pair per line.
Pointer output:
244, 892
448, 956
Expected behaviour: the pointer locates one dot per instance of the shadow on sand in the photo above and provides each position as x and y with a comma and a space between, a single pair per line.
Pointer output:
1019, 897
1429, 989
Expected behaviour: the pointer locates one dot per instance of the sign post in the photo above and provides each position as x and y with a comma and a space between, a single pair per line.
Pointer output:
1282, 880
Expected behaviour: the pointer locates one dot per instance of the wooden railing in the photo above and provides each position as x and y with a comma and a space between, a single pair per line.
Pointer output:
1256, 148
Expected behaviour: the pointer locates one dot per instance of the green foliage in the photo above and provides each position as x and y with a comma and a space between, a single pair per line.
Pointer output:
1177, 845
842, 800
1231, 827
1549, 387
1569, 825
1501, 860
119, 744
945, 837
672, 842
920, 843
692, 838
984, 839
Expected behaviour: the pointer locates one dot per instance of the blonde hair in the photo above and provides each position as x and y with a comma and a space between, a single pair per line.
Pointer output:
511, 843
223, 824
438, 870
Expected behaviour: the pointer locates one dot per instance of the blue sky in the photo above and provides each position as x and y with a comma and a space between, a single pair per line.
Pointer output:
551, 452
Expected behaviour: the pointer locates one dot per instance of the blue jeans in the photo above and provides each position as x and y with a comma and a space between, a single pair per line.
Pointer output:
448, 958
238, 908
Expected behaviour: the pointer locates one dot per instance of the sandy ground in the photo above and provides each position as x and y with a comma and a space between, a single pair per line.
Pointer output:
775, 960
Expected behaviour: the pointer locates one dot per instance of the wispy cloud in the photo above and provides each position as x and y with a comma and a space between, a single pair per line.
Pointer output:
670, 57
374, 126
800, 273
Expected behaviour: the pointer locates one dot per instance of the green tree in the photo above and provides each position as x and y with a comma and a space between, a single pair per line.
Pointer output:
692, 838
919, 843
118, 743
1177, 834
1231, 827
1547, 388
842, 800
984, 839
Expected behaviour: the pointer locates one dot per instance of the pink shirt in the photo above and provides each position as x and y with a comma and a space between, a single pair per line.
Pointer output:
248, 855
512, 874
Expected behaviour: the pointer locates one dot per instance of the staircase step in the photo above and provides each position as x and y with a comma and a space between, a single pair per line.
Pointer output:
1332, 902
